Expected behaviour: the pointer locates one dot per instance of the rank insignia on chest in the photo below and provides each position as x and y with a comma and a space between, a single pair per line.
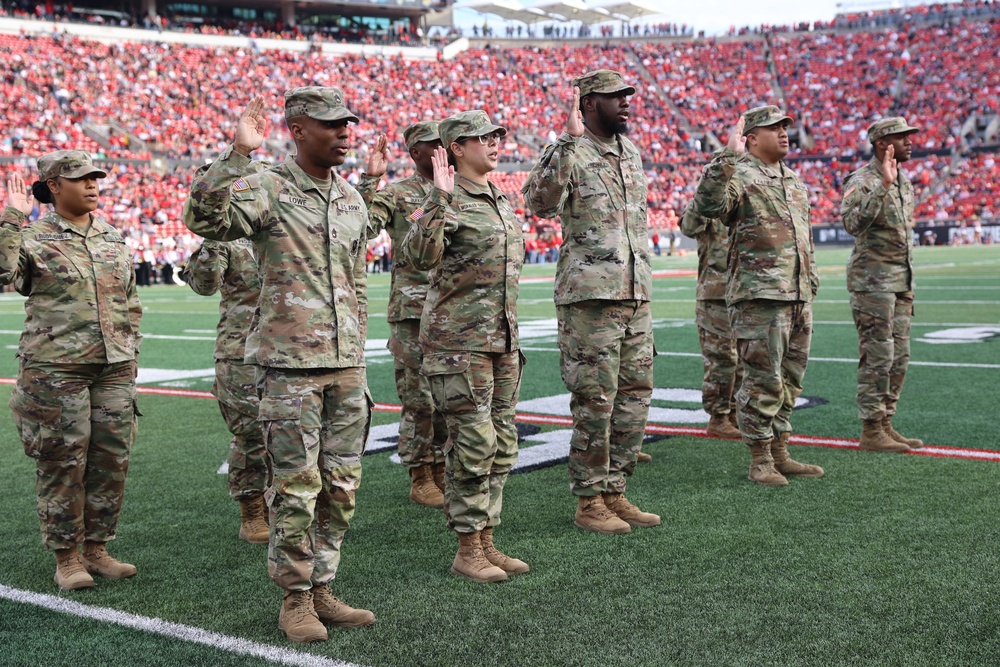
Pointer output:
241, 185
417, 214
66, 236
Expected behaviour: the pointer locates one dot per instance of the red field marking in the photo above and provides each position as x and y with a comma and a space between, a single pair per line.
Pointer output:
656, 429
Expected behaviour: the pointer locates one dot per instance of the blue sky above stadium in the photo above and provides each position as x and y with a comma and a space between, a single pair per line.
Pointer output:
716, 16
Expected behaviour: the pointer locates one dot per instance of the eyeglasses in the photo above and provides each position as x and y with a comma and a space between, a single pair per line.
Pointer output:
492, 138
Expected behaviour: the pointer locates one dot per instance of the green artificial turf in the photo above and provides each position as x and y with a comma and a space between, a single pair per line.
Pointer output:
887, 560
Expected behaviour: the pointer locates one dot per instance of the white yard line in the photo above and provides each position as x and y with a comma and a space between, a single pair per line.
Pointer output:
237, 645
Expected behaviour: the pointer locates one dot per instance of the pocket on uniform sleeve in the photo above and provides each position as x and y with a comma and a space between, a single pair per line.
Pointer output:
39, 425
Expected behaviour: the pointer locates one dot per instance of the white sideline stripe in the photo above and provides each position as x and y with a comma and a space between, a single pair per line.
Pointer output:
276, 654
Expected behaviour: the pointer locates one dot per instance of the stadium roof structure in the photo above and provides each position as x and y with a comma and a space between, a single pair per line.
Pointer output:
510, 10
561, 10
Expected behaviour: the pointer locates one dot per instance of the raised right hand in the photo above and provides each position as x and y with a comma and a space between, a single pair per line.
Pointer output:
251, 127
737, 141
890, 170
444, 173
574, 119
18, 194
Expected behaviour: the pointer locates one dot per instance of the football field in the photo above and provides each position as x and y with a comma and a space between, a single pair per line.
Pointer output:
887, 559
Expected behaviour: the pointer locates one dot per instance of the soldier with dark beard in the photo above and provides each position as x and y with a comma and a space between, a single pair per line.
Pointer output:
592, 178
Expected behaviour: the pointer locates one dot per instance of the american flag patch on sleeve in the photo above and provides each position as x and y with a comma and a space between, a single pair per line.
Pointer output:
848, 192
417, 214
240, 185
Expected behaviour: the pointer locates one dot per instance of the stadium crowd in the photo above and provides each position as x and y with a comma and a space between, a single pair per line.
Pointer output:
129, 102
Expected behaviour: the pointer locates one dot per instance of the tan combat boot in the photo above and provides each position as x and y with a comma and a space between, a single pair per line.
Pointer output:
298, 619
643, 457
786, 465
437, 470
253, 519
719, 426
423, 490
332, 610
71, 575
593, 515
875, 439
499, 558
98, 561
626, 511
762, 465
471, 562
912, 443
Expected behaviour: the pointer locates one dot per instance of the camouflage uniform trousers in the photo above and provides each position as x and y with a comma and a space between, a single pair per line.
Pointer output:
883, 323
607, 365
772, 340
477, 393
315, 424
236, 388
422, 430
78, 421
722, 371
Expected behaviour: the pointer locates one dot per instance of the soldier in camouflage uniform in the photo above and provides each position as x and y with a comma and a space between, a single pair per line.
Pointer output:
592, 178
722, 373
422, 430
74, 402
771, 281
231, 268
877, 209
466, 234
308, 226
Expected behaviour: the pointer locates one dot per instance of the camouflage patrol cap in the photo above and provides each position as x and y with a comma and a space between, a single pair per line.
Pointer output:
763, 117
317, 102
602, 81
467, 124
67, 164
887, 126
424, 131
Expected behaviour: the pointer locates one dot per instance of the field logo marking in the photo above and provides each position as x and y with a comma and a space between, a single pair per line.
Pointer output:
960, 335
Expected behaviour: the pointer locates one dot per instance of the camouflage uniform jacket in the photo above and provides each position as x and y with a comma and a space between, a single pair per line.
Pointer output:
771, 253
713, 253
471, 242
390, 208
882, 221
598, 189
313, 308
230, 268
82, 304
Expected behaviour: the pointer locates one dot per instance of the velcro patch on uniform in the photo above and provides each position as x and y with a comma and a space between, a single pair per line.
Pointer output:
241, 185
598, 164
413, 200
65, 236
246, 242
472, 205
849, 192
348, 208
417, 214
